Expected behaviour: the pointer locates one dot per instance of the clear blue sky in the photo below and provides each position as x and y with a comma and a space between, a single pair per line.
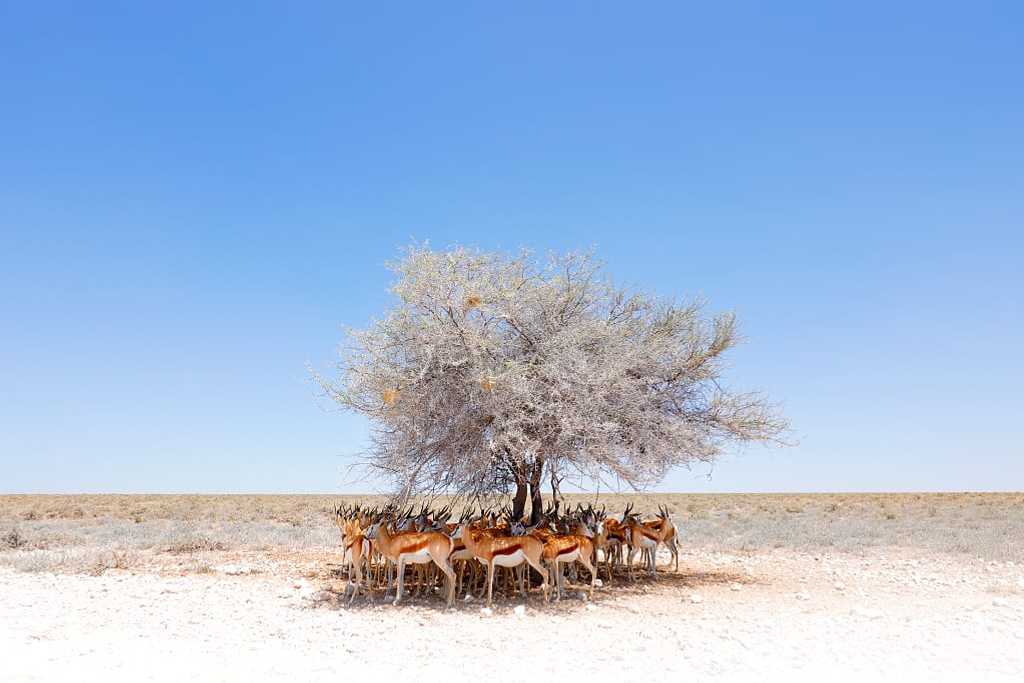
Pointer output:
194, 199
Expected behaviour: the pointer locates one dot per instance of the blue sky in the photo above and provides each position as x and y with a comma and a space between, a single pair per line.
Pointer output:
194, 199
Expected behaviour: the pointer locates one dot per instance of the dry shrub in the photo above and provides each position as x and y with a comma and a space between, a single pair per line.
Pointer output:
65, 512
195, 545
13, 540
118, 558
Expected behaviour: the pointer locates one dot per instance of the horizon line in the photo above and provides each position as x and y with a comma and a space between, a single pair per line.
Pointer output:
548, 495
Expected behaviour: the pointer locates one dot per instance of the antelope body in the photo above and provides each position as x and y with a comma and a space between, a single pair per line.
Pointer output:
504, 551
414, 547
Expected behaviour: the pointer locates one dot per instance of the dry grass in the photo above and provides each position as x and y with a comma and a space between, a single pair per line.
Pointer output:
93, 533
13, 540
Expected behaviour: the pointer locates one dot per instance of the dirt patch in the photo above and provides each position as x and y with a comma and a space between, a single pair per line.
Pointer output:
877, 615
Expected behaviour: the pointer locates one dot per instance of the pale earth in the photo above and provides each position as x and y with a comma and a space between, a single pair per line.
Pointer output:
883, 614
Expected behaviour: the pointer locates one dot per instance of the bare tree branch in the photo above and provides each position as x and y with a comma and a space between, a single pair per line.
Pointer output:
491, 363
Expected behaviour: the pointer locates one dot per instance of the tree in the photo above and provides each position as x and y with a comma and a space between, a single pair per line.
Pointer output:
495, 370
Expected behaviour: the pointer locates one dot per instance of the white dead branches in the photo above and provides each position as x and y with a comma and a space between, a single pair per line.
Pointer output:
492, 365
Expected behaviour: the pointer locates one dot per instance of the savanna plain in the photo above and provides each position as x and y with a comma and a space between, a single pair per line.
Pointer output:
770, 587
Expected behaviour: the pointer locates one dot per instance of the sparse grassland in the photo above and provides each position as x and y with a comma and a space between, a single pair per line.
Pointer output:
837, 587
87, 533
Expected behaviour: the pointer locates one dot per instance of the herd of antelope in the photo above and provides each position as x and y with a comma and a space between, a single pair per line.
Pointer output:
378, 541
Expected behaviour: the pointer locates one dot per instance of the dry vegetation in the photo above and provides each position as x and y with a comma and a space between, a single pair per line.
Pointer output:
92, 533
832, 587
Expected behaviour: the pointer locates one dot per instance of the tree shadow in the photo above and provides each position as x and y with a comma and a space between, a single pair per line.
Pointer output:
332, 596
685, 578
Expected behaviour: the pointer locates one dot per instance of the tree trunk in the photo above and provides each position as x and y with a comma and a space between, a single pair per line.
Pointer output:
519, 501
556, 489
518, 469
536, 502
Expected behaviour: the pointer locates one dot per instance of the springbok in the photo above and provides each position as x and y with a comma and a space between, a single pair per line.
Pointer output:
357, 553
664, 525
413, 548
568, 549
504, 551
642, 537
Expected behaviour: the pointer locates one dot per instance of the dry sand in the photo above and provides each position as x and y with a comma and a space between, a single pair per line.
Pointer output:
881, 615
771, 587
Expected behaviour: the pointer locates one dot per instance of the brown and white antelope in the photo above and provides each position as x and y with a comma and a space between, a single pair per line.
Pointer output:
645, 537
356, 554
504, 551
664, 525
413, 547
566, 549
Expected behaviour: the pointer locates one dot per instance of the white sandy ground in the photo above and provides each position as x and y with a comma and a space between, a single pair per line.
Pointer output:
780, 615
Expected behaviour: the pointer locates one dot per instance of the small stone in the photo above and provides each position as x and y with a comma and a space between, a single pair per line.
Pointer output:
236, 569
867, 613
486, 611
696, 599
582, 595
735, 587
598, 582
590, 607
839, 586
802, 596
306, 590
519, 610
468, 598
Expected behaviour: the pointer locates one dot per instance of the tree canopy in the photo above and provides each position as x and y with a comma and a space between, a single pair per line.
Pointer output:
495, 372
